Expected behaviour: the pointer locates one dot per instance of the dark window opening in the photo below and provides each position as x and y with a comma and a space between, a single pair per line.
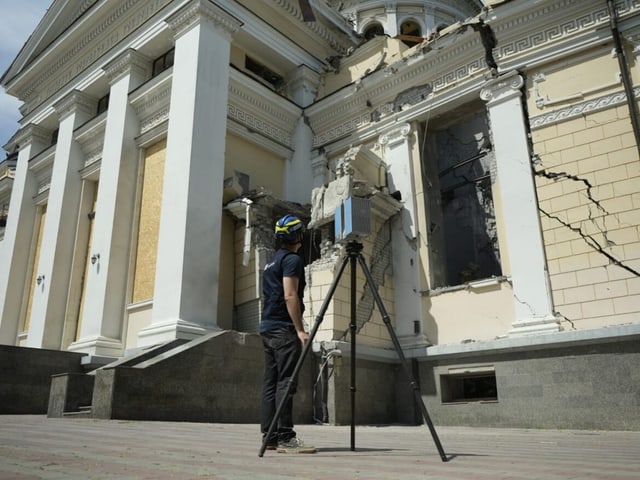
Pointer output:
458, 161
469, 387
410, 33
373, 30
103, 104
4, 213
163, 62
263, 72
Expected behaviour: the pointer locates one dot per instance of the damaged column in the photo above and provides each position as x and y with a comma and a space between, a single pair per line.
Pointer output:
398, 155
532, 295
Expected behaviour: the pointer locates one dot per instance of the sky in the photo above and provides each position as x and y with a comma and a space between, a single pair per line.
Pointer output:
18, 19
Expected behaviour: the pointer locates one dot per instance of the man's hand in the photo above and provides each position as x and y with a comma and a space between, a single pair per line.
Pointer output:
303, 336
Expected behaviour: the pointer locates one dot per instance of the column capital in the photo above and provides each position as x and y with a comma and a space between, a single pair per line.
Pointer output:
130, 61
32, 133
502, 88
303, 85
196, 11
75, 101
396, 134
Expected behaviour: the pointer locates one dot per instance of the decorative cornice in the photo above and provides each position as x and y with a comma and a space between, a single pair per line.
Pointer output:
32, 133
293, 9
581, 109
75, 101
455, 60
196, 11
130, 61
94, 43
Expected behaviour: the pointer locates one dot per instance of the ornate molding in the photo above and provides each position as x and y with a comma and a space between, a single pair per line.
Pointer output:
130, 61
264, 127
94, 43
75, 101
398, 134
32, 133
581, 109
502, 88
196, 11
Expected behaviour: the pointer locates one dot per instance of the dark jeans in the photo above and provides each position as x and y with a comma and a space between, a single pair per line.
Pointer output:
282, 350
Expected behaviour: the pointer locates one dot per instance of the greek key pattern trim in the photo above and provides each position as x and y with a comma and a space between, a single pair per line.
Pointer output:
254, 123
581, 109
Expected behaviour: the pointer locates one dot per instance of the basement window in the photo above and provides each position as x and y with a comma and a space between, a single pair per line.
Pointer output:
469, 387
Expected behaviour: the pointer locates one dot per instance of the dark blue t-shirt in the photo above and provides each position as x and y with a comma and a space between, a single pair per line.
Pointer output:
284, 263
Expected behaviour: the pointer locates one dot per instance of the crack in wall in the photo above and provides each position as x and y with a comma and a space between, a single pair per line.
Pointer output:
592, 242
565, 318
589, 239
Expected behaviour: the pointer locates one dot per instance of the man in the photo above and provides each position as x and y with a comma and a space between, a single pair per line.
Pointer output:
283, 334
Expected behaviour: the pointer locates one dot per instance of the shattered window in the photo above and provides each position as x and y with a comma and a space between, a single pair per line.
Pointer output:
458, 163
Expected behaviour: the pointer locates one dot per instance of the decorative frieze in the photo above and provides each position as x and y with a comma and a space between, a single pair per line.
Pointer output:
127, 17
582, 108
254, 123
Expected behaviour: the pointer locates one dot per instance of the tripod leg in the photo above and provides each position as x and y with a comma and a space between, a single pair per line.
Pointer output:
305, 350
403, 360
352, 328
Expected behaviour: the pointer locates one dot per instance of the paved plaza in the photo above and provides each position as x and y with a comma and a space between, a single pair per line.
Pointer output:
36, 447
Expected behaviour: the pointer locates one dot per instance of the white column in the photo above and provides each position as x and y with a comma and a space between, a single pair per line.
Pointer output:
18, 234
299, 171
532, 296
56, 253
187, 270
105, 294
392, 20
396, 145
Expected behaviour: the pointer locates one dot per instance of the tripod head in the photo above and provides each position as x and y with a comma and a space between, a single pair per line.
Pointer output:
354, 248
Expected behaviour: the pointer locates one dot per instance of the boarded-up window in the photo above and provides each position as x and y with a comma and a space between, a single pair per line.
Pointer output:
149, 223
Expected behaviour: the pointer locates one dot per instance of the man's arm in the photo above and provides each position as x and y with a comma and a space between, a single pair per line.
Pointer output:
291, 299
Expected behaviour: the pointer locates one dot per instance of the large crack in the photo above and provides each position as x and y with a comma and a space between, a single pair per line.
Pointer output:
589, 239
592, 242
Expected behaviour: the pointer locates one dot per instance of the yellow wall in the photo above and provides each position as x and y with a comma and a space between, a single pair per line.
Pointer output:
40, 221
596, 149
264, 168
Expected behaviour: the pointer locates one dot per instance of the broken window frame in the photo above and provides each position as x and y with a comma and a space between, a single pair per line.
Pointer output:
473, 169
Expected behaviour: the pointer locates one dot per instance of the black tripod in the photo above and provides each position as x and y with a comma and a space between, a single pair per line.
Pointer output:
354, 252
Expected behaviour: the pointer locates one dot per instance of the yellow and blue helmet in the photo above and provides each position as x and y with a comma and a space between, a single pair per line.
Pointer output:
289, 229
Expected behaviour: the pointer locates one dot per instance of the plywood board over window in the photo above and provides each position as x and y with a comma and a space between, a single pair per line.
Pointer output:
149, 223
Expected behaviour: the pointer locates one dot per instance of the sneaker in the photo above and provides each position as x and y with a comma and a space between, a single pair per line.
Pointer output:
272, 446
295, 445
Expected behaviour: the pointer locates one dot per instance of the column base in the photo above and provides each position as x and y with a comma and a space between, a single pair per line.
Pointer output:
535, 326
408, 342
99, 347
157, 333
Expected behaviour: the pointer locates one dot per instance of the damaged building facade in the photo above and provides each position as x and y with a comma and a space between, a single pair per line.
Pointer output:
497, 144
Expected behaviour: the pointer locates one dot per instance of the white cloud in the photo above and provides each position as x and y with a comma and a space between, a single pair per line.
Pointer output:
19, 19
